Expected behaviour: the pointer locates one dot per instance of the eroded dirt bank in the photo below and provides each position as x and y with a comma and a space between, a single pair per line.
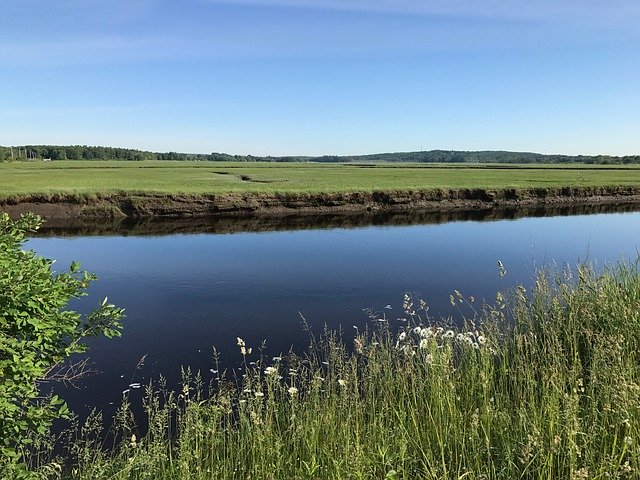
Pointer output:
182, 206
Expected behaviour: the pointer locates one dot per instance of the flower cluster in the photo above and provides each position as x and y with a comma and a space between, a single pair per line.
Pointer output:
243, 348
471, 339
420, 338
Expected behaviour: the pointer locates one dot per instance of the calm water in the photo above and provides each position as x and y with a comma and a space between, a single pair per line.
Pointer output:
187, 292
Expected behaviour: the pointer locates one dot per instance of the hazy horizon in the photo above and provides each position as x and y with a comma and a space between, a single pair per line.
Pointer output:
319, 155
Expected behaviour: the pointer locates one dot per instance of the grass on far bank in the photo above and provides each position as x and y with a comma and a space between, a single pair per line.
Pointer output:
538, 385
164, 177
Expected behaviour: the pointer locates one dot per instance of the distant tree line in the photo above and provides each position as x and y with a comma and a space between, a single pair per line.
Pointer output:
83, 152
453, 156
72, 152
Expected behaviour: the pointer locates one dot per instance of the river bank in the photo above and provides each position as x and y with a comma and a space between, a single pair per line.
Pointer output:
127, 226
150, 205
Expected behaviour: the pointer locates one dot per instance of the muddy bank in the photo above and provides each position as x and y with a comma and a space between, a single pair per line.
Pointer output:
138, 206
69, 227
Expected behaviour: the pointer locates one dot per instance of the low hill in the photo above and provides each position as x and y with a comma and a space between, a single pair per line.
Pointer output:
83, 152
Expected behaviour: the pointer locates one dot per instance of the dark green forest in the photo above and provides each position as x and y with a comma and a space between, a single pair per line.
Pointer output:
83, 152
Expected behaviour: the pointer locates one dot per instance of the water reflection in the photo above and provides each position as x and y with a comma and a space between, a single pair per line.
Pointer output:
238, 224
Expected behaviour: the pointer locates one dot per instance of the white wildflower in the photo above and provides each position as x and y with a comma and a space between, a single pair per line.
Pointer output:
259, 394
402, 337
293, 391
270, 370
449, 334
342, 382
424, 343
357, 345
426, 332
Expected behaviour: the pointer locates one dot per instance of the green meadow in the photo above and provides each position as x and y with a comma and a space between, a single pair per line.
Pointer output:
167, 177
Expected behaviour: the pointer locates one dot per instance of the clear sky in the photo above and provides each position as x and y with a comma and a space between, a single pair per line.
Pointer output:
322, 76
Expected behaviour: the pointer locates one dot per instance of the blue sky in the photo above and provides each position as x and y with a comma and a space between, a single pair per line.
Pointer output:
322, 76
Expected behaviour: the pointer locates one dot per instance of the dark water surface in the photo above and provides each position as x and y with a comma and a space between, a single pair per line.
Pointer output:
185, 292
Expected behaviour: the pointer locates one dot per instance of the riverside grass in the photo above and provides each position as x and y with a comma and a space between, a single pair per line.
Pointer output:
82, 178
536, 385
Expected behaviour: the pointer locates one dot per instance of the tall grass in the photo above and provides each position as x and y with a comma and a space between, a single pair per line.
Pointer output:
91, 179
537, 385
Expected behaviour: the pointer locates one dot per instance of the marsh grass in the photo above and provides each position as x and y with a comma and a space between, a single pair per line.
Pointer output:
87, 180
537, 385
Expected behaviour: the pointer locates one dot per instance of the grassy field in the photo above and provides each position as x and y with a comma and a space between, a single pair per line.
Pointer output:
537, 385
104, 177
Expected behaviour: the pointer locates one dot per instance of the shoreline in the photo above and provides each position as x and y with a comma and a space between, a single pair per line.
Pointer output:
138, 205
66, 227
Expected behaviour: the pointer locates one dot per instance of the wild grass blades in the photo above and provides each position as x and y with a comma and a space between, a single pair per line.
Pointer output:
89, 182
538, 385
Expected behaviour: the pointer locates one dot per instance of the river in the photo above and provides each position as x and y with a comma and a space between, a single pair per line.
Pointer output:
192, 285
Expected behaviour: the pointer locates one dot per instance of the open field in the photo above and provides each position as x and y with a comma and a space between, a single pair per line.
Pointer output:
163, 177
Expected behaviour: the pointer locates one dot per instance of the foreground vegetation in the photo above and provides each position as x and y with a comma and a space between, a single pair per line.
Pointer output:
537, 385
21, 179
37, 337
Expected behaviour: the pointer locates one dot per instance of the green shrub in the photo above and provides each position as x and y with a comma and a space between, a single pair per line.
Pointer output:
37, 336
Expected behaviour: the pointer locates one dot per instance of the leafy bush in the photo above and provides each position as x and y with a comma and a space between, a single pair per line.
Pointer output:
38, 335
